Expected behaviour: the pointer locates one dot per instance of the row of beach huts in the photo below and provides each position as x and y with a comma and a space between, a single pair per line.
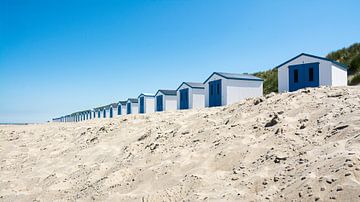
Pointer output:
221, 89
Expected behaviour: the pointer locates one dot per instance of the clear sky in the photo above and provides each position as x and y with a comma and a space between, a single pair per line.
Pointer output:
58, 57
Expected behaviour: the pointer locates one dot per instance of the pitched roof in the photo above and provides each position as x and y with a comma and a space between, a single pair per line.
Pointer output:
235, 76
122, 102
167, 92
113, 105
133, 100
314, 56
146, 95
192, 85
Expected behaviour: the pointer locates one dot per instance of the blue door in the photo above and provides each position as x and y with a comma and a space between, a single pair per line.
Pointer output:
303, 75
119, 109
184, 98
104, 113
99, 114
111, 112
128, 108
159, 103
215, 93
142, 105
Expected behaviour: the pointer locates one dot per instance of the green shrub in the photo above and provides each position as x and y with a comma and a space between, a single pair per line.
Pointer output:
355, 80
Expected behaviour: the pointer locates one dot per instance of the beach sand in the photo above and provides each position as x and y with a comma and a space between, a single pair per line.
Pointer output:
301, 146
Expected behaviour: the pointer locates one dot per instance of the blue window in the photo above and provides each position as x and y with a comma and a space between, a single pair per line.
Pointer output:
128, 108
311, 74
184, 98
303, 75
142, 105
159, 103
215, 93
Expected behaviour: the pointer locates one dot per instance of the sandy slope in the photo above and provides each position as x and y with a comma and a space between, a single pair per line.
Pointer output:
302, 146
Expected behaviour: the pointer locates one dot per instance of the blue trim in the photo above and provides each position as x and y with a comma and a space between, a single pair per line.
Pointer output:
216, 73
302, 79
184, 98
142, 105
128, 108
189, 86
215, 93
342, 66
159, 103
111, 112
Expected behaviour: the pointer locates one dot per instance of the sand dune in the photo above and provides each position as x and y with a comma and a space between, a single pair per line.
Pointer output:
302, 146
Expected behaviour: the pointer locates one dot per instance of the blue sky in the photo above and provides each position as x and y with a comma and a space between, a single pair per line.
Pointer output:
57, 57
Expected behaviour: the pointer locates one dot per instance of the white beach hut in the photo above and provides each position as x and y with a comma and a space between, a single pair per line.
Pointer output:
106, 111
121, 109
307, 70
132, 106
165, 100
190, 95
227, 88
146, 103
113, 110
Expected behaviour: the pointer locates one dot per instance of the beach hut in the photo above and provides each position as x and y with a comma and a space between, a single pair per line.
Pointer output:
227, 88
132, 106
113, 110
307, 70
165, 100
190, 95
121, 108
106, 111
146, 103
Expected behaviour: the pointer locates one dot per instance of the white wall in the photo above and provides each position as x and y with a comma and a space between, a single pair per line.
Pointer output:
107, 113
170, 102
339, 76
237, 90
197, 98
134, 108
324, 72
149, 103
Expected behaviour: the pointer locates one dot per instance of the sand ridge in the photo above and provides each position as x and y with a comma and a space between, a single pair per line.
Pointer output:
301, 146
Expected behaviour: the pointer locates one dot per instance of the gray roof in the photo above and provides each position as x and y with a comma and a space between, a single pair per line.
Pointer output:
235, 76
167, 92
133, 100
146, 95
192, 85
195, 84
114, 105
122, 102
